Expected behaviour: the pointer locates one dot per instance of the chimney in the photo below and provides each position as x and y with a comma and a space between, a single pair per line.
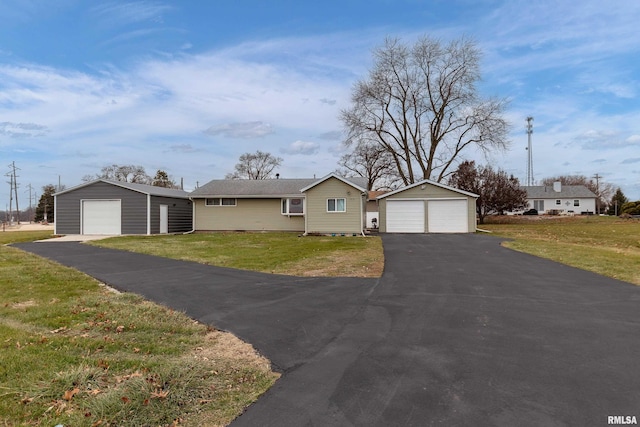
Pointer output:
557, 186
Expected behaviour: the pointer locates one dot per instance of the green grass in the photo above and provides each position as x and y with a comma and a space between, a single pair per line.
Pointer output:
73, 352
282, 253
23, 236
605, 245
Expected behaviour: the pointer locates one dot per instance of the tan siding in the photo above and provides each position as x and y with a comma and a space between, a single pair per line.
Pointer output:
249, 214
321, 221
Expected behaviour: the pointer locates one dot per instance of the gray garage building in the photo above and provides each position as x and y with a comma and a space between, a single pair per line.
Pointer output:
427, 207
112, 208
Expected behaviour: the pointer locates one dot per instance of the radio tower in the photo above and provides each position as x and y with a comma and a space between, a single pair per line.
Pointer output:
529, 152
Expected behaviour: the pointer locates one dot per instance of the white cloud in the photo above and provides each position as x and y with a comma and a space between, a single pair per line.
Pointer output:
22, 130
301, 147
120, 14
633, 139
631, 161
245, 130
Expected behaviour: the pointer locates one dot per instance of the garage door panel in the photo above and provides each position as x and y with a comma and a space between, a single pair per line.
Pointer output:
448, 216
101, 217
405, 216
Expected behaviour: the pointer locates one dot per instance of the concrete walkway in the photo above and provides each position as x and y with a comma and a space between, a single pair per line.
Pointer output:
458, 331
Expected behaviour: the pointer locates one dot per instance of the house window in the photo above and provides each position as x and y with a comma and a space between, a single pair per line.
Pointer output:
293, 206
558, 201
336, 205
576, 203
220, 201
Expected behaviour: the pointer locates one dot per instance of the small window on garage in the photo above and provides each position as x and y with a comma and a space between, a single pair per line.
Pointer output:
558, 202
337, 205
576, 203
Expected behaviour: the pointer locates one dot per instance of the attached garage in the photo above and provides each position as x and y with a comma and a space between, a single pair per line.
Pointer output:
107, 207
429, 207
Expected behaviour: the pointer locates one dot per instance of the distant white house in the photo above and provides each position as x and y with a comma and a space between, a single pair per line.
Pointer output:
561, 199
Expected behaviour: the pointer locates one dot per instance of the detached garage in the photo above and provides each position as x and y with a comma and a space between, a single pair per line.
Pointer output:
114, 208
427, 207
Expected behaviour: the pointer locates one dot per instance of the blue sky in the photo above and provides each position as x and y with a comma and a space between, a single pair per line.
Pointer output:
188, 86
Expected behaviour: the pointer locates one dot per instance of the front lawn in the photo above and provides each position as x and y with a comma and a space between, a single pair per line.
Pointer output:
74, 353
281, 253
605, 245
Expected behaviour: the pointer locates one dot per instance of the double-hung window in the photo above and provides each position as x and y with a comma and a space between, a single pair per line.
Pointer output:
220, 201
337, 205
293, 206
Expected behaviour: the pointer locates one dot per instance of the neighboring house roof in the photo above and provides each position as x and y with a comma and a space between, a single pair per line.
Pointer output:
427, 182
372, 195
267, 188
140, 188
567, 191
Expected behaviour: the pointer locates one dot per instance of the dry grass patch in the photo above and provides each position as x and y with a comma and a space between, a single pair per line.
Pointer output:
605, 245
74, 353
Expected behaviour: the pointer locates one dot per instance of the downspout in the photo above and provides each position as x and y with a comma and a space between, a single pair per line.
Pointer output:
364, 197
55, 215
193, 217
148, 214
306, 214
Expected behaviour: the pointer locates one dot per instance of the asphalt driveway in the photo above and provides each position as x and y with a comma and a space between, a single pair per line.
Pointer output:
458, 331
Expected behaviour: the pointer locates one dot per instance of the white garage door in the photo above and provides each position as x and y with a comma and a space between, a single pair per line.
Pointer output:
405, 216
448, 216
101, 217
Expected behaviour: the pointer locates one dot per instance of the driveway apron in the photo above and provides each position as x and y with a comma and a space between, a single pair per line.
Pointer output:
458, 331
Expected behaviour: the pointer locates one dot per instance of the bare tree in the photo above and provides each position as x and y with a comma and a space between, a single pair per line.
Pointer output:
123, 173
421, 104
497, 192
258, 165
371, 161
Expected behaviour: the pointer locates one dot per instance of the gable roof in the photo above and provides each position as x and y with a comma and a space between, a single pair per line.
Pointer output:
349, 181
265, 188
427, 182
150, 190
567, 191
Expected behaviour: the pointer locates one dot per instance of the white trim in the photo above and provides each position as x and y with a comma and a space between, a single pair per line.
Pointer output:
127, 187
427, 182
148, 214
429, 198
336, 205
55, 214
221, 205
287, 199
332, 175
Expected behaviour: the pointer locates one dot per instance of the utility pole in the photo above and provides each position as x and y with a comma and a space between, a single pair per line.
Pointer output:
14, 189
30, 188
529, 151
597, 178
10, 211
